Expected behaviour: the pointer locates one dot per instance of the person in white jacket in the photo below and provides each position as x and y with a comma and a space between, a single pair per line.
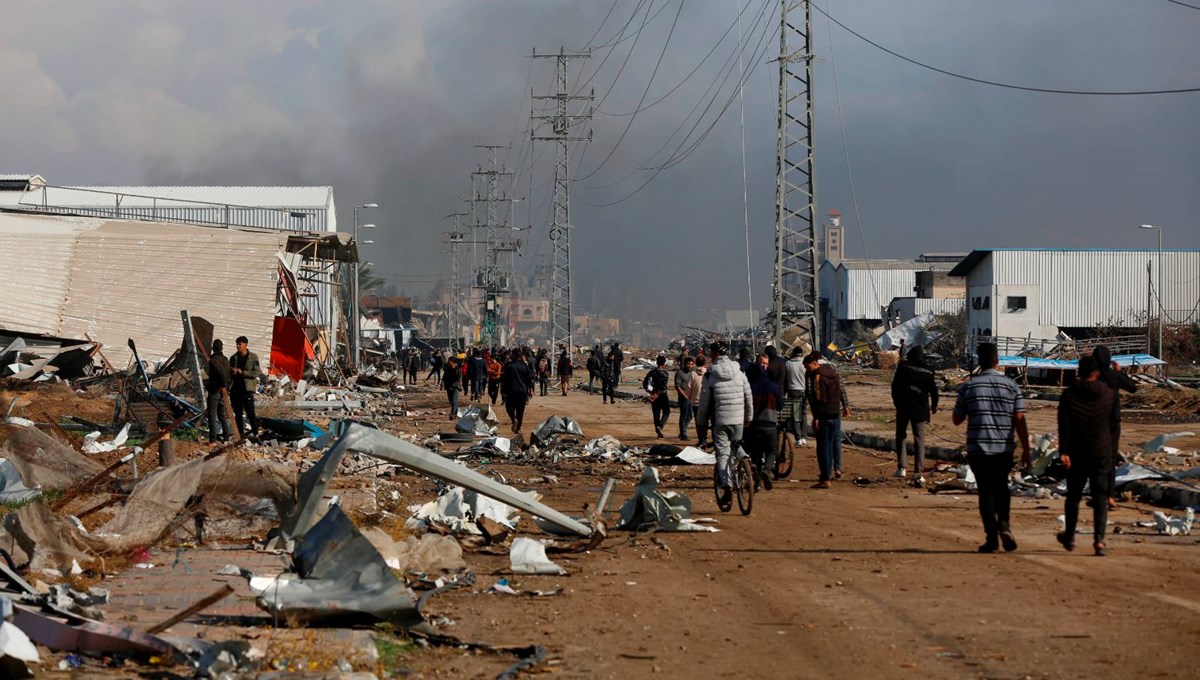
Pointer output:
725, 396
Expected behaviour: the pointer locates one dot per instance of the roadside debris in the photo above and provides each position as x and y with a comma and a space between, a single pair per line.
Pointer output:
528, 556
555, 425
651, 508
1172, 526
337, 577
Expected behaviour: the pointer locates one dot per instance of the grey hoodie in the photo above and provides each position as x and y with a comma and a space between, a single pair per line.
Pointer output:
725, 394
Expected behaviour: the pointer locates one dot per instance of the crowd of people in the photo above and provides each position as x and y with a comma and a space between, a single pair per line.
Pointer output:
749, 401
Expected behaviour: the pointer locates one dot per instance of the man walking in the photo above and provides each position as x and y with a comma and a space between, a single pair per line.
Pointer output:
452, 378
829, 403
565, 369
414, 366
494, 368
776, 367
435, 368
1117, 381
244, 373
217, 387
655, 384
685, 377
915, 396
793, 392
593, 369
700, 372
726, 397
610, 373
993, 409
543, 371
516, 381
1088, 419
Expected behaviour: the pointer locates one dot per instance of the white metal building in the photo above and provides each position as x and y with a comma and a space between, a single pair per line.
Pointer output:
860, 290
1013, 292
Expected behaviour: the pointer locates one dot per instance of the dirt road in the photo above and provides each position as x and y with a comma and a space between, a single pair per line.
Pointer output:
875, 581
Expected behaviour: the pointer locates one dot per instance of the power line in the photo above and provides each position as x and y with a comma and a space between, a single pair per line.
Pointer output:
676, 158
1102, 93
691, 73
645, 92
718, 82
1184, 4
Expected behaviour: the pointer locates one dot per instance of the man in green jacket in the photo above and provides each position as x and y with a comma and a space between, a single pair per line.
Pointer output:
245, 372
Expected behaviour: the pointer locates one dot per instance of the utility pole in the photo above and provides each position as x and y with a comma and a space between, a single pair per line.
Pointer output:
561, 122
490, 277
453, 241
796, 294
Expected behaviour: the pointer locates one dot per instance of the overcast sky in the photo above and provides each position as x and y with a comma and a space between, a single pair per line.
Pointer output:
384, 99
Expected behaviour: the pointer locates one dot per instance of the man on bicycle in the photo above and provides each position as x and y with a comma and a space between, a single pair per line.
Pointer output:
762, 434
726, 397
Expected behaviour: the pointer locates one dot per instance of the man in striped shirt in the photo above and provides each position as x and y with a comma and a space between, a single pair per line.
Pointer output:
993, 408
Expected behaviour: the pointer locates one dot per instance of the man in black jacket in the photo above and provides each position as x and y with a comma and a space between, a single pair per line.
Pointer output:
452, 381
915, 396
516, 382
244, 371
1117, 381
1088, 419
217, 387
660, 402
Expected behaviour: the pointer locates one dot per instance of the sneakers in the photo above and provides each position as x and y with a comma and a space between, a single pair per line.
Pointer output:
989, 546
837, 474
1008, 541
658, 431
917, 482
725, 502
900, 473
823, 484
765, 479
1100, 550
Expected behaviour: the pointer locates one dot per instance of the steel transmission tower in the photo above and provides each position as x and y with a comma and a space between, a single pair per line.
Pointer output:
491, 277
561, 122
453, 242
796, 293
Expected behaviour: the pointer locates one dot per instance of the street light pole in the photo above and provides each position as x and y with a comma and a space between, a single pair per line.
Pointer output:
1159, 294
356, 337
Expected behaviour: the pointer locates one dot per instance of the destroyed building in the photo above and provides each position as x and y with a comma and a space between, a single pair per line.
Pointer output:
862, 291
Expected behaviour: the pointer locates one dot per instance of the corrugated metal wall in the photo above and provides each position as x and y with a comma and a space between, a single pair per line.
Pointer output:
870, 291
35, 267
126, 280
1086, 288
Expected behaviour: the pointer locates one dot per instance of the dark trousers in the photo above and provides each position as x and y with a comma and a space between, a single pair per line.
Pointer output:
829, 447
514, 405
476, 387
762, 442
436, 371
452, 397
493, 389
1094, 471
412, 375
685, 415
591, 382
991, 478
661, 409
243, 404
608, 389
544, 382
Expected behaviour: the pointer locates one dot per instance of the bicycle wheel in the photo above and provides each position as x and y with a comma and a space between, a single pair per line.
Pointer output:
786, 456
744, 485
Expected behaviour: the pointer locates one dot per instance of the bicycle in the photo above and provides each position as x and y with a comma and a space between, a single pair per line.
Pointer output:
741, 478
791, 423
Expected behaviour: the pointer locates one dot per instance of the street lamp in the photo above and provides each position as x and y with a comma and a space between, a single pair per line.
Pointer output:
357, 330
1160, 288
